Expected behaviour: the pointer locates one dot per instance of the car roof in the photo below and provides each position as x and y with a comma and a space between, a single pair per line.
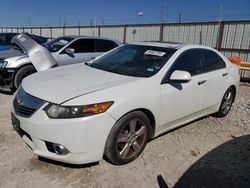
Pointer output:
165, 44
89, 37
170, 44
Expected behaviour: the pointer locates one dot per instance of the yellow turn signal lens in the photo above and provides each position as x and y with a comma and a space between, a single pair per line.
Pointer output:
97, 108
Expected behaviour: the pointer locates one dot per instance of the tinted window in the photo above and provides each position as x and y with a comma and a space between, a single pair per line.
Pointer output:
212, 61
5, 39
83, 46
104, 45
189, 61
134, 60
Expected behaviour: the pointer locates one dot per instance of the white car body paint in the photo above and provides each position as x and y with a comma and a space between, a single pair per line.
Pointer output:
85, 137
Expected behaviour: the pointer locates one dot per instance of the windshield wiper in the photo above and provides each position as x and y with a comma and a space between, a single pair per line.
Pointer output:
88, 64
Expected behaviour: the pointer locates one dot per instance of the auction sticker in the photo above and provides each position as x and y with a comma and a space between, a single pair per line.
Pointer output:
155, 53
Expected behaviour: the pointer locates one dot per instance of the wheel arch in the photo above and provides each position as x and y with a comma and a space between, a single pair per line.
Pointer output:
235, 90
150, 116
16, 71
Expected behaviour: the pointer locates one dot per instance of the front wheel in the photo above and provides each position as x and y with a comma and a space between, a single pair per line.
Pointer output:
21, 74
226, 103
128, 138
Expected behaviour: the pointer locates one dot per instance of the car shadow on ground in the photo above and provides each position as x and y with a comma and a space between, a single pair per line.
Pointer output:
68, 165
228, 165
6, 92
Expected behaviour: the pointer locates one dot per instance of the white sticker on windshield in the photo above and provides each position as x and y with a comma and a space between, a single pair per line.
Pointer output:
155, 53
150, 70
63, 41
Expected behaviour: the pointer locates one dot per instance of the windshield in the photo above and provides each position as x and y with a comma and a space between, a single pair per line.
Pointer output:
134, 60
58, 43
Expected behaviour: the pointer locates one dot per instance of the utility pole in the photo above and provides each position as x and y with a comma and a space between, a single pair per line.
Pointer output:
163, 14
179, 18
91, 22
219, 33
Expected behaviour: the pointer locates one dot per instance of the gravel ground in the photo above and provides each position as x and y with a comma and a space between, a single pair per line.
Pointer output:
209, 152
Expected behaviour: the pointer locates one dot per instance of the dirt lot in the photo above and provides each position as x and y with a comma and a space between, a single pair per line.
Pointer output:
210, 152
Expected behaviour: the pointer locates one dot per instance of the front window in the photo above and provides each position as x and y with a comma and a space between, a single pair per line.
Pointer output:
134, 60
58, 43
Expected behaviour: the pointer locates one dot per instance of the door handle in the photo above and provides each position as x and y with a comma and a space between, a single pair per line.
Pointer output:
224, 74
202, 82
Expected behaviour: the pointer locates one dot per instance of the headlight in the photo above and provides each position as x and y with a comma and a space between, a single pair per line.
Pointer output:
3, 64
61, 112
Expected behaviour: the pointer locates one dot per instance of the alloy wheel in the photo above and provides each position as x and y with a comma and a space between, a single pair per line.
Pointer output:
227, 102
131, 139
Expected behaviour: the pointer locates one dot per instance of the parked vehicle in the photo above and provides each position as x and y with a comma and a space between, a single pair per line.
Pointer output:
16, 65
5, 40
113, 105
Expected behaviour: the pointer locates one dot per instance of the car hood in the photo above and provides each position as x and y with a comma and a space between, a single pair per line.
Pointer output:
39, 56
10, 53
61, 84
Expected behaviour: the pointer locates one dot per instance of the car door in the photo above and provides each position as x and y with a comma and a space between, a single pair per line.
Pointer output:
216, 75
84, 50
183, 101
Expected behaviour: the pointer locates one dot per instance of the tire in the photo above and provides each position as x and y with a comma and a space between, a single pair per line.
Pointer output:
21, 74
226, 103
128, 138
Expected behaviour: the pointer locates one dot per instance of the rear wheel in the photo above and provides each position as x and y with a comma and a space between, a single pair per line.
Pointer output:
127, 138
226, 103
21, 74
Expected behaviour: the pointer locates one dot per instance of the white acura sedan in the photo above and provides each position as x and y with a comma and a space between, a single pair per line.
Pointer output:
113, 105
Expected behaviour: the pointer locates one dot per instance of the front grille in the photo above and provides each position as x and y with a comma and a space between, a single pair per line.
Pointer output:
26, 105
22, 110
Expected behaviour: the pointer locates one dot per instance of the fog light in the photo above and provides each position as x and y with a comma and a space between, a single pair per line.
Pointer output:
60, 150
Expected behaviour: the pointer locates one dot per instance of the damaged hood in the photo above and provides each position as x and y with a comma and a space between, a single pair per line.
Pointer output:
10, 53
39, 55
64, 83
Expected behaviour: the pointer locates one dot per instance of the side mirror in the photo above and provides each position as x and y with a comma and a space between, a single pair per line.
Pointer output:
69, 50
180, 76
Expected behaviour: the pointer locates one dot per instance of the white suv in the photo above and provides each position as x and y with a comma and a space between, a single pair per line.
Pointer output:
113, 105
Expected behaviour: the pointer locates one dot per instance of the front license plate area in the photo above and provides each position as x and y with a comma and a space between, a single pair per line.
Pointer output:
16, 125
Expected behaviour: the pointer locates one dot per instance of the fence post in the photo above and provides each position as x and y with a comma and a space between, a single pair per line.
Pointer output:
124, 34
220, 35
161, 32
50, 32
99, 31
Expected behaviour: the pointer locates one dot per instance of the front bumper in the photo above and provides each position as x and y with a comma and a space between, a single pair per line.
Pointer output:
84, 138
6, 79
